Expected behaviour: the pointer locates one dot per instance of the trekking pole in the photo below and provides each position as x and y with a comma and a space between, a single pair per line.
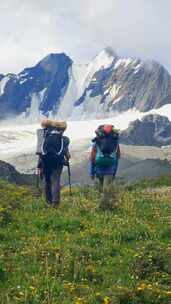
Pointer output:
69, 178
37, 179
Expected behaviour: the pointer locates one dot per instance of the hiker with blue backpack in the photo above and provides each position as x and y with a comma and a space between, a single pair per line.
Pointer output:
53, 151
105, 154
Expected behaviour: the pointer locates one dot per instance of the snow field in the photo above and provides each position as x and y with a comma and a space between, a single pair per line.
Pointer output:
17, 138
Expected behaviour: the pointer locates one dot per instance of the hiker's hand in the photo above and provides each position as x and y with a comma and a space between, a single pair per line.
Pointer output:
39, 172
68, 156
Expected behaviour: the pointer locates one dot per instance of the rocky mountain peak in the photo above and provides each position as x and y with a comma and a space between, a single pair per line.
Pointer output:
151, 130
110, 51
52, 60
105, 58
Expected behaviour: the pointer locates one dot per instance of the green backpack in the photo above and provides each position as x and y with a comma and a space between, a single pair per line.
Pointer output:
105, 160
107, 141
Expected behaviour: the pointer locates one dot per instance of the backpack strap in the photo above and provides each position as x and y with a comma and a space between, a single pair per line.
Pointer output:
45, 131
62, 146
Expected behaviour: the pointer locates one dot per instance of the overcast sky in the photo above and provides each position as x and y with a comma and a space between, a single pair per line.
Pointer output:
30, 29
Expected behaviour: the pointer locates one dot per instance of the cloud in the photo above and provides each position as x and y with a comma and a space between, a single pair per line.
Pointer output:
31, 29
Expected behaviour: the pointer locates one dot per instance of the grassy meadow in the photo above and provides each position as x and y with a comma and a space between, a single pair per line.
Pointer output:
82, 254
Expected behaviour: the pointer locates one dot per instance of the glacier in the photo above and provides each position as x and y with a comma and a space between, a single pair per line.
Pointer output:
18, 137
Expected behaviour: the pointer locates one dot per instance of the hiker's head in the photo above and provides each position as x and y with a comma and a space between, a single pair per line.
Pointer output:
59, 125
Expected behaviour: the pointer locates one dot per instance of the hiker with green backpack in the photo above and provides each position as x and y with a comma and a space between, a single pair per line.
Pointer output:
105, 154
53, 151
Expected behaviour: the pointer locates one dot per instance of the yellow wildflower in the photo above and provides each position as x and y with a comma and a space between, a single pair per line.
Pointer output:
168, 293
97, 294
107, 300
70, 286
33, 289
90, 268
141, 287
79, 301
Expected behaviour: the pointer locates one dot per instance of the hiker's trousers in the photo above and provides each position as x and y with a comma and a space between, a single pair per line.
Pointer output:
53, 187
104, 182
106, 189
52, 175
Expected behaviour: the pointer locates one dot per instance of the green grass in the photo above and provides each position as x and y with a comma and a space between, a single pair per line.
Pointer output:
81, 254
160, 181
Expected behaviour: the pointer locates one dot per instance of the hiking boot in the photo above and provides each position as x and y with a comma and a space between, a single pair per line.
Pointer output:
55, 205
48, 204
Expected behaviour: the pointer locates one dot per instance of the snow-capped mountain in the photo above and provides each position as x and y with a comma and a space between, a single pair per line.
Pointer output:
125, 84
36, 89
57, 86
